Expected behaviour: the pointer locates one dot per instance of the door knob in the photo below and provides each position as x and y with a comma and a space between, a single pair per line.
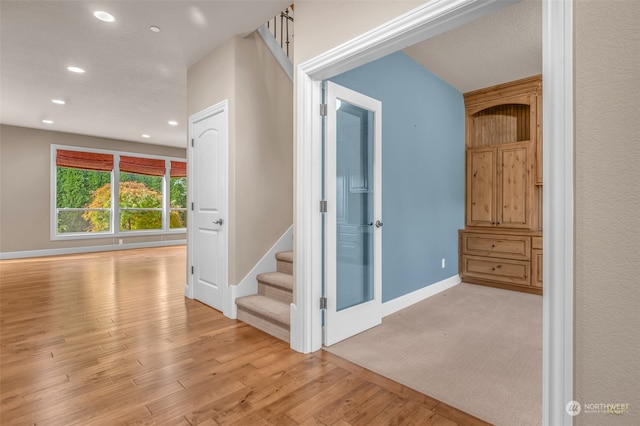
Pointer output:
218, 222
378, 224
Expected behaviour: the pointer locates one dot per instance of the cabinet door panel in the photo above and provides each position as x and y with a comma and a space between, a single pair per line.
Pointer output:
514, 193
538, 121
481, 175
536, 268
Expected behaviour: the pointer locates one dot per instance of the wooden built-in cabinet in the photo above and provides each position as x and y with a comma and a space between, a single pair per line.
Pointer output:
499, 185
503, 186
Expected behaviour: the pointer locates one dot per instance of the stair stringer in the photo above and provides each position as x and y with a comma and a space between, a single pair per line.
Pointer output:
276, 50
249, 284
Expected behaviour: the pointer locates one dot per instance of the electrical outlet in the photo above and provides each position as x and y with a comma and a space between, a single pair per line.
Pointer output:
443, 263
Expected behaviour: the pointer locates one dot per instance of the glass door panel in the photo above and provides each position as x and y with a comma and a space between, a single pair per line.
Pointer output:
354, 189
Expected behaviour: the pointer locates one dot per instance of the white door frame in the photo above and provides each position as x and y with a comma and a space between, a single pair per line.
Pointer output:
417, 25
219, 108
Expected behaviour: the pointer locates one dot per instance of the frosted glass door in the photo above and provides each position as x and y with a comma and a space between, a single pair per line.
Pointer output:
354, 257
353, 225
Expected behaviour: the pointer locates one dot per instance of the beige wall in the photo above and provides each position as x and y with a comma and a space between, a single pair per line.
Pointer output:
264, 153
25, 172
210, 81
322, 25
260, 143
607, 207
607, 180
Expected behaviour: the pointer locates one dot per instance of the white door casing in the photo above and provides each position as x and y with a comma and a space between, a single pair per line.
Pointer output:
424, 22
361, 314
208, 197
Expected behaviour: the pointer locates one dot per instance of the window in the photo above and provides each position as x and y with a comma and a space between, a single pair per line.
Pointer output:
151, 193
82, 179
141, 182
178, 195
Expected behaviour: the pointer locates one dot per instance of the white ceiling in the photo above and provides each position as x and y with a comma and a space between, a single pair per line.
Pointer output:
135, 80
497, 48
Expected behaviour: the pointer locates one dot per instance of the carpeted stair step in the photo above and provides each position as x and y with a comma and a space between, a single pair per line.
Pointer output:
265, 313
284, 260
277, 285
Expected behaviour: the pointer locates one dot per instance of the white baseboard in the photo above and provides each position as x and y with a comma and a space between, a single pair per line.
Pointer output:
249, 285
407, 300
88, 249
295, 334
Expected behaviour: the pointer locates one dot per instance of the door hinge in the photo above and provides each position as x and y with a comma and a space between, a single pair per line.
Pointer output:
323, 303
191, 206
323, 206
192, 270
192, 141
323, 110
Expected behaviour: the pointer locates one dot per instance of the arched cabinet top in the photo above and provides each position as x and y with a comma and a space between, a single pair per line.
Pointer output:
503, 114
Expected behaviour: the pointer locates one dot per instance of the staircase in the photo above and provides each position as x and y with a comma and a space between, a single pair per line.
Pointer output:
269, 310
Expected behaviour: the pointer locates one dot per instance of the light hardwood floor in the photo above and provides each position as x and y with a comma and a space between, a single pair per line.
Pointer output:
110, 339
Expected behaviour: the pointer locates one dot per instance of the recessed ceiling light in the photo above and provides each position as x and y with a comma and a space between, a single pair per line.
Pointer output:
173, 123
76, 70
104, 16
58, 101
146, 136
47, 121
154, 29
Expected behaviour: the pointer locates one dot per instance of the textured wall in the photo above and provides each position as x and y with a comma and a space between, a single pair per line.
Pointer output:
25, 175
422, 170
607, 208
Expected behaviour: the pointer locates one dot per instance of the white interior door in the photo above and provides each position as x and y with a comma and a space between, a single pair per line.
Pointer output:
353, 225
208, 226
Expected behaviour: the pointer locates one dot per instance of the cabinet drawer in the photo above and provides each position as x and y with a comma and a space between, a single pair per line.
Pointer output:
498, 270
502, 246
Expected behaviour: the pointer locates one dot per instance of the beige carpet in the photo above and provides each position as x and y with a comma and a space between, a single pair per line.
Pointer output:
476, 348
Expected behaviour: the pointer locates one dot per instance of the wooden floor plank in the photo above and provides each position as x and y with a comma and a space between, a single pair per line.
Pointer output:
109, 338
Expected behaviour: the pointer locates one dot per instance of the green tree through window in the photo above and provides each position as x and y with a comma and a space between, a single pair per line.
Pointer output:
133, 195
84, 190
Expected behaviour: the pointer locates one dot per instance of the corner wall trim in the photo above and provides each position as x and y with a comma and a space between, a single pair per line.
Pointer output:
402, 302
89, 249
558, 211
249, 284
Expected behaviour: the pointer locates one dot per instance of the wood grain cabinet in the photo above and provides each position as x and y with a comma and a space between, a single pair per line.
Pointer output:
501, 259
499, 186
503, 186
536, 262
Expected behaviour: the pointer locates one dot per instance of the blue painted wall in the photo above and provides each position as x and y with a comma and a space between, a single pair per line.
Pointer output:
422, 170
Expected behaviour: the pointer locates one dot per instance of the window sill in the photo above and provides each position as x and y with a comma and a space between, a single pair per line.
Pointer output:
115, 235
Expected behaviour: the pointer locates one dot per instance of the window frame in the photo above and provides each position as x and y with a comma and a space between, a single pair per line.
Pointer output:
115, 205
